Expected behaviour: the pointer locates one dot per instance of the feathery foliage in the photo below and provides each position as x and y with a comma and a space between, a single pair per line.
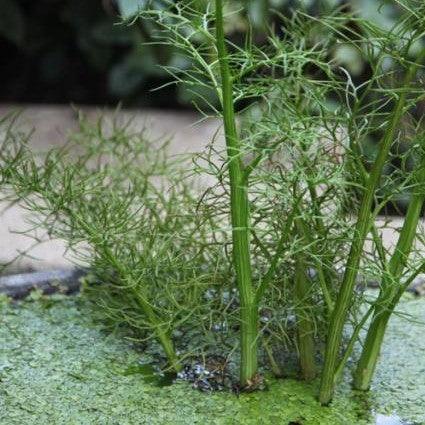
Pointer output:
273, 251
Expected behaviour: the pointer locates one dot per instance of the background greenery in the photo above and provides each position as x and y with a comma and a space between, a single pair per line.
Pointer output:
61, 51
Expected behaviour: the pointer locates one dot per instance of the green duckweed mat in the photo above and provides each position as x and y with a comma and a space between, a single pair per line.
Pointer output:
58, 367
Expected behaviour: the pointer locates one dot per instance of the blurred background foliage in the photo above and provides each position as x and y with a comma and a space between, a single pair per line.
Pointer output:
61, 51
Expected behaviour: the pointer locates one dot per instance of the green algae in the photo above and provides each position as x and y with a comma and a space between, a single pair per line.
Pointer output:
58, 367
399, 385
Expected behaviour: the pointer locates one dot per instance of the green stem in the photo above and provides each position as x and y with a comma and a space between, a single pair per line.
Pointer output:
323, 278
277, 371
305, 328
239, 206
351, 343
390, 293
344, 298
274, 260
162, 335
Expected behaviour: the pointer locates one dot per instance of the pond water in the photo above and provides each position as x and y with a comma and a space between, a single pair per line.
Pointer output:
57, 367
389, 420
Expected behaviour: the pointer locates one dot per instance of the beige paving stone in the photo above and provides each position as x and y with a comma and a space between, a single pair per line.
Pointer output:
51, 124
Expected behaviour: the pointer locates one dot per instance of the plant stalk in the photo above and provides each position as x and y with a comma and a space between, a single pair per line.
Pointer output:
391, 291
305, 328
363, 224
239, 206
163, 336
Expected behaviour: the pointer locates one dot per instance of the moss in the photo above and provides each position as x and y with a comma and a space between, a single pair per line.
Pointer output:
57, 367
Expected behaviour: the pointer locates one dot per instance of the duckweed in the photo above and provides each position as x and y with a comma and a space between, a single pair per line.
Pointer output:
59, 367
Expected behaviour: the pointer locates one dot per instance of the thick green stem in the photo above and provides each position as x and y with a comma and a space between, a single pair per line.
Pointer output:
239, 206
369, 357
305, 327
391, 291
344, 298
